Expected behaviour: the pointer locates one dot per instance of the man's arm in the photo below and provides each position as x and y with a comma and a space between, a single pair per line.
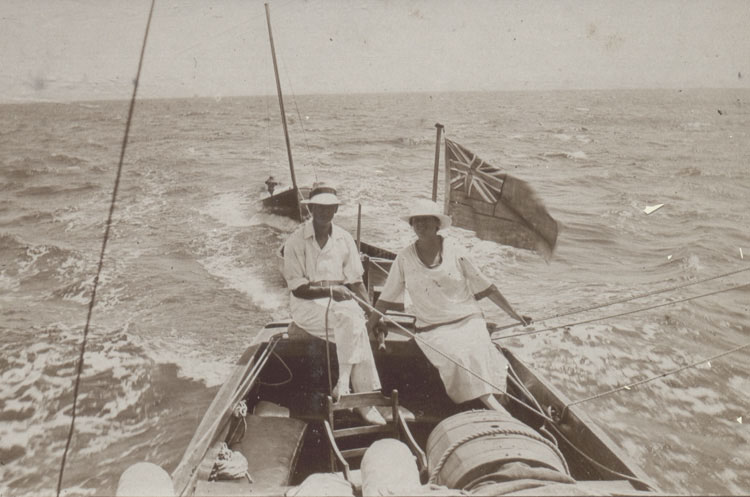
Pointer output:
360, 291
338, 292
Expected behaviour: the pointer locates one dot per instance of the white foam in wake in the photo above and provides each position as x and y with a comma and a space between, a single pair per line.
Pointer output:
232, 209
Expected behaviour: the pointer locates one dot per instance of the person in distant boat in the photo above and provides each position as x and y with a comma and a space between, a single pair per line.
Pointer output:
271, 184
322, 266
444, 287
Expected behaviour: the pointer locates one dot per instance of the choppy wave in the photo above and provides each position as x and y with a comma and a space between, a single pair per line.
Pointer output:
191, 270
50, 190
579, 155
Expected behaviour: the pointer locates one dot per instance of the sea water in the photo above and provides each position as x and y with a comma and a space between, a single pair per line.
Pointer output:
190, 271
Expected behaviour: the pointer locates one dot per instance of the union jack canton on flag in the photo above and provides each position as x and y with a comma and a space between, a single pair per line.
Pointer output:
496, 206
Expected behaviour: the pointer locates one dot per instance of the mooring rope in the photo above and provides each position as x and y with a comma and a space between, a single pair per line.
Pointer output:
628, 299
105, 239
563, 326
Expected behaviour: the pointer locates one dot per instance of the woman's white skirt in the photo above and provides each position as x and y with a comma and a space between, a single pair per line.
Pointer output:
467, 343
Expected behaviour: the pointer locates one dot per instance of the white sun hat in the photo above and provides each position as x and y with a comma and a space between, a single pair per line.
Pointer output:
322, 194
424, 207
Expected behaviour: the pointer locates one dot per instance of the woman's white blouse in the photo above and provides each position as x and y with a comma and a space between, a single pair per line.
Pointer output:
440, 294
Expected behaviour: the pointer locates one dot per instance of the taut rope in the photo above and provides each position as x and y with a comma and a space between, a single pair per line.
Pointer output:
101, 254
662, 375
534, 332
450, 358
628, 299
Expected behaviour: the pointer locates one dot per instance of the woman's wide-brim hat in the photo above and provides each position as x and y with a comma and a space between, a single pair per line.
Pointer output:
424, 207
322, 195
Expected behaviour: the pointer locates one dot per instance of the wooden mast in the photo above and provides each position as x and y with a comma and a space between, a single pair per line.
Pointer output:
437, 162
281, 101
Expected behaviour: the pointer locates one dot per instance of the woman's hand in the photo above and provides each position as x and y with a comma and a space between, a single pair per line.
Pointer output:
372, 327
525, 320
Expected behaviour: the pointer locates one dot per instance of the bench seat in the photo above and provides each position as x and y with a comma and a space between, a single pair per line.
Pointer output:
271, 446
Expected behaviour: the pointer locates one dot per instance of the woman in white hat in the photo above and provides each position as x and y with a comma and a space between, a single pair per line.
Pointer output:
444, 287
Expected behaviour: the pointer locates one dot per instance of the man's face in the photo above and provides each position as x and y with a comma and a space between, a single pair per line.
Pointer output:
323, 214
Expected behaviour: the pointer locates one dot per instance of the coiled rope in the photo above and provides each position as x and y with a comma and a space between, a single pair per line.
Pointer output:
236, 434
105, 239
494, 431
250, 378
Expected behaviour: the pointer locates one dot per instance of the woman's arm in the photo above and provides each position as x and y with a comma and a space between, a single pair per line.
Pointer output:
495, 296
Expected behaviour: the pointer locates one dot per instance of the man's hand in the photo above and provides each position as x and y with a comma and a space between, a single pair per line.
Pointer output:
340, 292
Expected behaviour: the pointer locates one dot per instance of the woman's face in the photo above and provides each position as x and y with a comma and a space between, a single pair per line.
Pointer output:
425, 226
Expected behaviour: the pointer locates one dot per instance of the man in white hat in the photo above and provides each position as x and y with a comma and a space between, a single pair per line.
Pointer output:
322, 266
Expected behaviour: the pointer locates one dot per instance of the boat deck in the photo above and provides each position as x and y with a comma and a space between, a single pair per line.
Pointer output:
283, 451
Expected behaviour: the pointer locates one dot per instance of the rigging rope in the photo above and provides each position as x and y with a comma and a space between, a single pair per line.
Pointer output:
622, 313
301, 126
547, 418
451, 359
328, 343
628, 299
105, 239
536, 410
662, 375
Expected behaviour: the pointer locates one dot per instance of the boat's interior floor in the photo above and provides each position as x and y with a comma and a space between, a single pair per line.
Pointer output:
282, 450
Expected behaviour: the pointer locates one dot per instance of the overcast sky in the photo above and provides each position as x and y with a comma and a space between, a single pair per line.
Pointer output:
88, 49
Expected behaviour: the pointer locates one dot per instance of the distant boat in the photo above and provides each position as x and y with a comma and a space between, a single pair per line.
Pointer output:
287, 201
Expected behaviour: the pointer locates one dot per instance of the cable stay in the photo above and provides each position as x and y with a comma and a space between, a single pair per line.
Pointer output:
116, 187
635, 311
512, 376
300, 121
553, 419
656, 377
579, 310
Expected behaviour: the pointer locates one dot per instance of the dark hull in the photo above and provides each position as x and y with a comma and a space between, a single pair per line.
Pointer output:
287, 203
283, 452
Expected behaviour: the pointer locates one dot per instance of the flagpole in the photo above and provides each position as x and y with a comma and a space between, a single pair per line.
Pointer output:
359, 224
447, 200
437, 161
